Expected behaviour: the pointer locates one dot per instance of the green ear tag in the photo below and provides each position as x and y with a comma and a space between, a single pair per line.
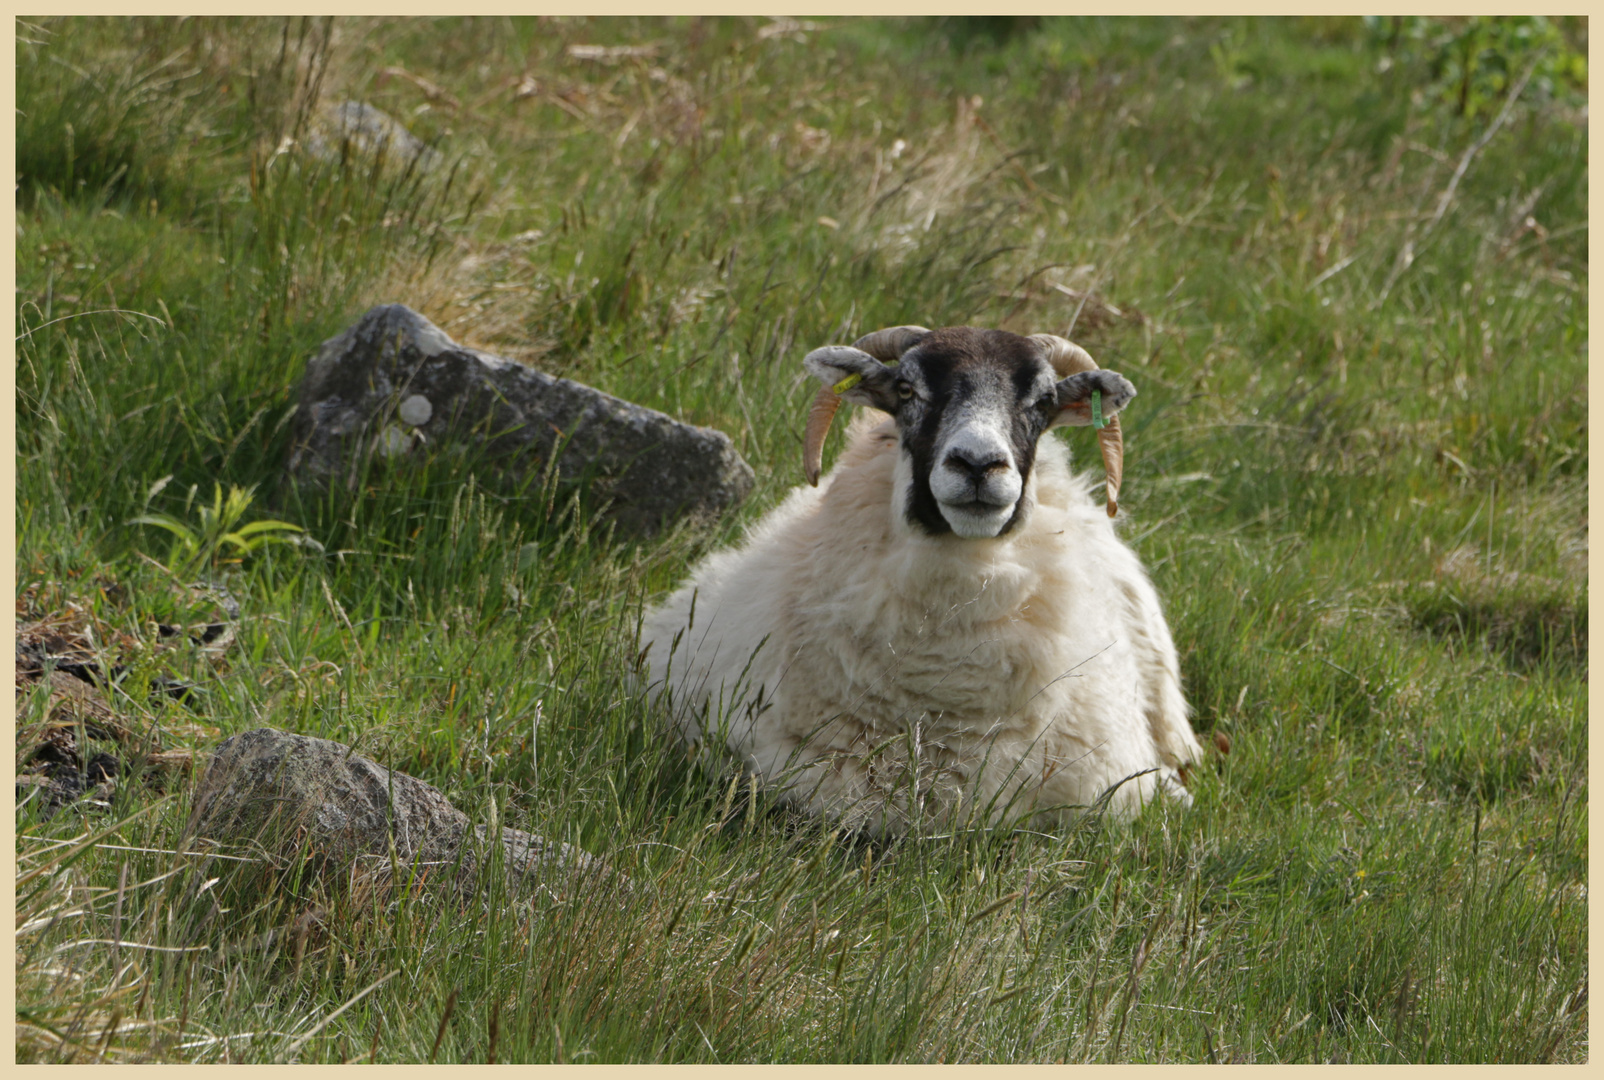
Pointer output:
1097, 410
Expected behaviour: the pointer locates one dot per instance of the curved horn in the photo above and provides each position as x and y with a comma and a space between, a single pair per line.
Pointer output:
887, 346
825, 404
1066, 357
1069, 359
1112, 443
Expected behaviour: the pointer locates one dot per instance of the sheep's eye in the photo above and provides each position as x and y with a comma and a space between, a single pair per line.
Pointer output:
1049, 400
904, 389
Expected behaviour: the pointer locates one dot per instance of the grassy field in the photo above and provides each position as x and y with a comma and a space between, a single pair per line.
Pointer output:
1345, 265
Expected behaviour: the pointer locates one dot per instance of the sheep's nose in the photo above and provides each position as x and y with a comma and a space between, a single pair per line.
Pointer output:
974, 462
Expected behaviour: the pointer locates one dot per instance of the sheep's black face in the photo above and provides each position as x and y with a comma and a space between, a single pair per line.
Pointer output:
971, 407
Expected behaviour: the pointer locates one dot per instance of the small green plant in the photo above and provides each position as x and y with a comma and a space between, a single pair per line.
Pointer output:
203, 543
1472, 61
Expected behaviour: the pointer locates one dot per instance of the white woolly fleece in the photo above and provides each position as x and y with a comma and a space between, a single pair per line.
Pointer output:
877, 674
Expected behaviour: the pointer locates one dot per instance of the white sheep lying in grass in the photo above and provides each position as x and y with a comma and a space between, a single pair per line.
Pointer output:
947, 630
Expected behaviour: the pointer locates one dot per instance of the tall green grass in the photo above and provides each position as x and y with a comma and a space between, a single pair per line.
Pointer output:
1365, 512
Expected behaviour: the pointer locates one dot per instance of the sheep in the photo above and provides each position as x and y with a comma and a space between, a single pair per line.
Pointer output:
945, 631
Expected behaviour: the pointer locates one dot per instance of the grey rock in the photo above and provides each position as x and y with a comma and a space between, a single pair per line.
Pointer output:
290, 797
361, 396
358, 127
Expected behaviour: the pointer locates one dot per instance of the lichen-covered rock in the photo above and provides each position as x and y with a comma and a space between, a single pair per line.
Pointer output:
394, 384
357, 127
292, 797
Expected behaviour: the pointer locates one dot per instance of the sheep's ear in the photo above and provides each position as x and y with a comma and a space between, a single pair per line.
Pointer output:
1075, 397
854, 375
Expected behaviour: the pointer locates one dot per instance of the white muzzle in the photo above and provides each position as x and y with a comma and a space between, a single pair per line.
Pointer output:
975, 479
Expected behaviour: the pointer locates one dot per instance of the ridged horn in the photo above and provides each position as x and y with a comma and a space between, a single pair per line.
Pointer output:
887, 346
1069, 359
825, 403
1112, 443
1066, 357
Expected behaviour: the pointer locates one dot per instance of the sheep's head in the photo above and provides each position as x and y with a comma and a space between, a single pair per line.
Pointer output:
970, 406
